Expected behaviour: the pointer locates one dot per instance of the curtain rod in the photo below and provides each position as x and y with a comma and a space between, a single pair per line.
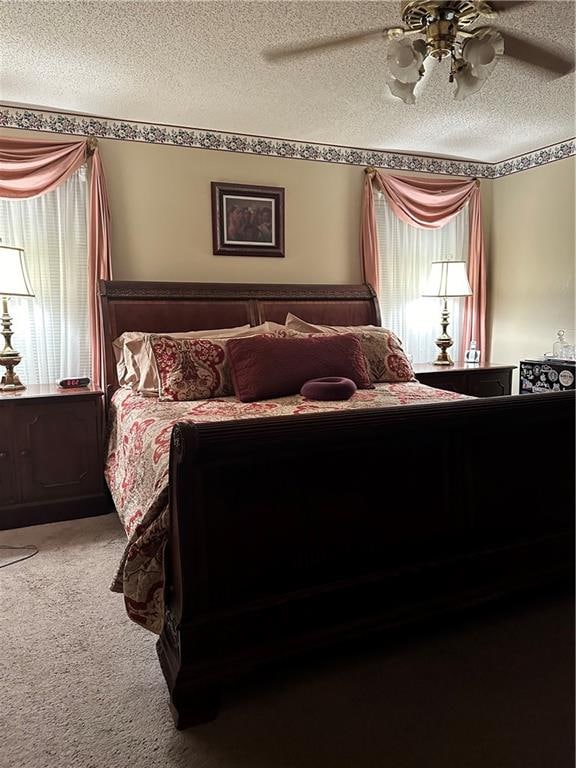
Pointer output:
371, 169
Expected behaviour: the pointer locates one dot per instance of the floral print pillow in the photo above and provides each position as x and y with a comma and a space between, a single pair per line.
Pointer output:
191, 369
195, 369
387, 361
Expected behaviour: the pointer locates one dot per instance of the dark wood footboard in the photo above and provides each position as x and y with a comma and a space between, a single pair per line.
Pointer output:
289, 533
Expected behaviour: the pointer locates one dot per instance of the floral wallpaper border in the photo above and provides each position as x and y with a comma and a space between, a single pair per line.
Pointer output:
104, 128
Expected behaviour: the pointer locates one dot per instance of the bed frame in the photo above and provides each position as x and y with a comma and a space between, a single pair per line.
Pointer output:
290, 533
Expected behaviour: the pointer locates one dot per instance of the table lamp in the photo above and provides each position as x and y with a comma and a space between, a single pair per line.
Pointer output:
14, 281
446, 279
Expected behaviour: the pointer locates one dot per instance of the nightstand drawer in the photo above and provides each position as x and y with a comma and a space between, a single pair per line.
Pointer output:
489, 383
443, 381
483, 380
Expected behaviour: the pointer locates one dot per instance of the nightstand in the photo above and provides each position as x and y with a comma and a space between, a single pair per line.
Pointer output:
482, 380
51, 455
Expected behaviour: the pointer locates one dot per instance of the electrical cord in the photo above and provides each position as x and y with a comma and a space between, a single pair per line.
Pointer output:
29, 547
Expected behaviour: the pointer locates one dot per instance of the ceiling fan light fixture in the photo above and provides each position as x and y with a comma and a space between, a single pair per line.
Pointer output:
467, 83
405, 61
404, 91
481, 52
446, 31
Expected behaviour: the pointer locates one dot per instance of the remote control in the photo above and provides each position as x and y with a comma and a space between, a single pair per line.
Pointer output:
81, 381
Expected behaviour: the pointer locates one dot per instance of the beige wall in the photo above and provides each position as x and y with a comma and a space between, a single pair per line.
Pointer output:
161, 201
161, 230
161, 214
531, 279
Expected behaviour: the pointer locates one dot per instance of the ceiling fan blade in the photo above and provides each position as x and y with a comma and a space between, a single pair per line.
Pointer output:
522, 49
491, 9
289, 51
507, 5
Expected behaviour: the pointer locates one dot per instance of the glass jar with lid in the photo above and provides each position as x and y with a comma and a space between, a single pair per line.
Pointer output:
562, 350
558, 346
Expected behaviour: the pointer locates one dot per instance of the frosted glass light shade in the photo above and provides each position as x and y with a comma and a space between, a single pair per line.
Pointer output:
447, 278
481, 53
467, 83
14, 280
404, 61
404, 91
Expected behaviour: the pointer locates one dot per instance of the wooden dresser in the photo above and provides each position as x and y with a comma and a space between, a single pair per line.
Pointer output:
51, 455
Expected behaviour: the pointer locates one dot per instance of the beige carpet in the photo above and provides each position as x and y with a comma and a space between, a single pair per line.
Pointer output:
81, 685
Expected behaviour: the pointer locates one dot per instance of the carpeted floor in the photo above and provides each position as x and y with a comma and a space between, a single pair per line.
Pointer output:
81, 685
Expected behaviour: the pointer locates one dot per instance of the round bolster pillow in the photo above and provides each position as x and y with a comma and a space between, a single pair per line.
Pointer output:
328, 388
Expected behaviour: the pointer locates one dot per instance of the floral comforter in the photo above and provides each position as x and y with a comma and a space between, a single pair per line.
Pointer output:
137, 471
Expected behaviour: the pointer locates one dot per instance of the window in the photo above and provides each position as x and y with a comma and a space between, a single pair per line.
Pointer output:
51, 330
406, 253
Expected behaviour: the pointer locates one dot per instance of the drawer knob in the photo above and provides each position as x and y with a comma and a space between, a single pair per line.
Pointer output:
3, 454
24, 452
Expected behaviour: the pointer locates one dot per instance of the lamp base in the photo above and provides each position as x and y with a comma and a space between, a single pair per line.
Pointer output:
444, 342
10, 380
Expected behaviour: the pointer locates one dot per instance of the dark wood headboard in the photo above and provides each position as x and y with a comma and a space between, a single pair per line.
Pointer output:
163, 307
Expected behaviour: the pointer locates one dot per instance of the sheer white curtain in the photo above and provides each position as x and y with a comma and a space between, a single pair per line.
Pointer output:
406, 253
51, 330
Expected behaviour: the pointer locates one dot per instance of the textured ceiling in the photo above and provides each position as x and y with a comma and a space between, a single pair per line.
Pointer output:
200, 64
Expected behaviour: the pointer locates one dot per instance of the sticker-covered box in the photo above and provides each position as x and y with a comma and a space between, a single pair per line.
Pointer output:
546, 374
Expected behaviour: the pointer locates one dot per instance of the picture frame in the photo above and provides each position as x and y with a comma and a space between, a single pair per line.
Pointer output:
247, 220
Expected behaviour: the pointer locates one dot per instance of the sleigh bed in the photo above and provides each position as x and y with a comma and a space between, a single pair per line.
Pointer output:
291, 529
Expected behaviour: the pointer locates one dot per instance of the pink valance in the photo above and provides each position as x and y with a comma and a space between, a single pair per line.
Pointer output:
430, 204
29, 168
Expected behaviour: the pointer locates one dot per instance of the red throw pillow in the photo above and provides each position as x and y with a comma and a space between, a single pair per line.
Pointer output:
263, 366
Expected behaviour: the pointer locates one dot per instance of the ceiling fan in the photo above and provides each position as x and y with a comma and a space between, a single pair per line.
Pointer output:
445, 29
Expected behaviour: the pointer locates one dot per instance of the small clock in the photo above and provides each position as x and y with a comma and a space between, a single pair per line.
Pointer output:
81, 381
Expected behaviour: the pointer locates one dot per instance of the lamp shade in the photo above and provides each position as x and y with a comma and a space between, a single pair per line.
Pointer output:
482, 51
481, 54
447, 278
14, 280
404, 91
405, 60
467, 83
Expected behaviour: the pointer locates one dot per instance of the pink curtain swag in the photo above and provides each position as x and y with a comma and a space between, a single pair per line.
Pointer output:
430, 204
29, 168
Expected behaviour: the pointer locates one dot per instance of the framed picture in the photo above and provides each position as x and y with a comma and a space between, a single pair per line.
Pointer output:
247, 220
